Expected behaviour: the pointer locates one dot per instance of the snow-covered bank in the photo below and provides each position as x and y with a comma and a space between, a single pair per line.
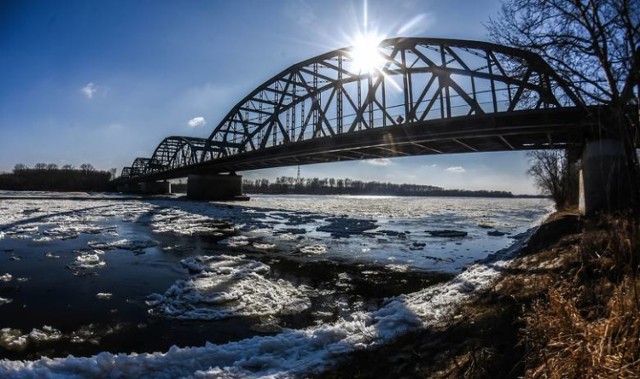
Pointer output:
292, 353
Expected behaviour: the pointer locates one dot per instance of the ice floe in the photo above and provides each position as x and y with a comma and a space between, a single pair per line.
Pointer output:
6, 277
227, 286
4, 300
104, 296
124, 244
87, 261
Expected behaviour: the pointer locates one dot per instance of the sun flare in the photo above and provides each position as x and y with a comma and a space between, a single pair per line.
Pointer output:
366, 54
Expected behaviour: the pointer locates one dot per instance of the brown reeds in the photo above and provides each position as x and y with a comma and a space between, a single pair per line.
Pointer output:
589, 325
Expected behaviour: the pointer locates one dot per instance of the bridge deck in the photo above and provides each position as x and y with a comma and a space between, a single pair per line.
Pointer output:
523, 130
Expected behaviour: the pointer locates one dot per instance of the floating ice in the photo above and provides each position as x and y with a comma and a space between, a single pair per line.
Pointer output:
264, 246
6, 277
47, 333
51, 255
313, 249
124, 244
226, 286
87, 261
12, 340
4, 300
104, 295
237, 241
292, 353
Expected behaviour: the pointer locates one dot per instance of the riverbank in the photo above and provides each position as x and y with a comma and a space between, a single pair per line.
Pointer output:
565, 307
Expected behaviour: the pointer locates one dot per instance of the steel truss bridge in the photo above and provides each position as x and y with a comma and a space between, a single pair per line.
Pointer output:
429, 96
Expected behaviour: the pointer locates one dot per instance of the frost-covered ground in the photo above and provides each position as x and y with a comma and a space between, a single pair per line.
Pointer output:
132, 268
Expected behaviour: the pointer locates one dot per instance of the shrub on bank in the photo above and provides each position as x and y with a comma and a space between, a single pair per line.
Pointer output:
589, 325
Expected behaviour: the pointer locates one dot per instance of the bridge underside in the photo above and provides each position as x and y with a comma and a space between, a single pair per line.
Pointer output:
523, 130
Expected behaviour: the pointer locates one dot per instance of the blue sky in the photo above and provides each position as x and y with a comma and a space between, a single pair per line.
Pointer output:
104, 82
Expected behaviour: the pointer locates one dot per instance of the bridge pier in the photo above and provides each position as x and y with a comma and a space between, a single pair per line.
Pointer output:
604, 177
215, 187
155, 188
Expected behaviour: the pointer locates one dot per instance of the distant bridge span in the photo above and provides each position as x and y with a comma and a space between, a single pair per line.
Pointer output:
427, 96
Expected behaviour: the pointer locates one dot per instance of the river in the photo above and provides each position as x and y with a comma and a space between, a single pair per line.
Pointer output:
275, 285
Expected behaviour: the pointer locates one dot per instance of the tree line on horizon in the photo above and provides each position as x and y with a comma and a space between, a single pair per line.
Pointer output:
51, 177
333, 186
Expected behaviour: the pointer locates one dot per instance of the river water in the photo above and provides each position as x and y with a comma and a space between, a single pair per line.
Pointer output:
275, 285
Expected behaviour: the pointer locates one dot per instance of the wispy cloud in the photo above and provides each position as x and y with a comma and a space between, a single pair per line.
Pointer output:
456, 169
89, 90
378, 162
196, 122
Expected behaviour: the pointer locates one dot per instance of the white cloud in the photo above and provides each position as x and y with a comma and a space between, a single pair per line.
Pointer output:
89, 90
196, 121
456, 169
378, 162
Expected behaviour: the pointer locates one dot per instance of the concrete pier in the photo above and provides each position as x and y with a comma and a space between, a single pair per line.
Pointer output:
215, 187
604, 177
155, 188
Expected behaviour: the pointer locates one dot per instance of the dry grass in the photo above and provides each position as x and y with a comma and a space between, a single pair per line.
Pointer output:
589, 325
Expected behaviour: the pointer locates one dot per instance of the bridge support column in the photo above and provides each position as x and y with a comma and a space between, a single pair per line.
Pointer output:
573, 155
155, 188
215, 187
604, 177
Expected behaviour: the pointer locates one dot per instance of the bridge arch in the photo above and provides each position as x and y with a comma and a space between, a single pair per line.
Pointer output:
422, 79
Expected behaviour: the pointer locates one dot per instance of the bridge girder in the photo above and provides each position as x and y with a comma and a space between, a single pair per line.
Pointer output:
422, 80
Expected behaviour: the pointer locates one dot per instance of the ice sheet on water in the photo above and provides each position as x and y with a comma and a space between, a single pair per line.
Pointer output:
124, 244
227, 286
292, 353
183, 222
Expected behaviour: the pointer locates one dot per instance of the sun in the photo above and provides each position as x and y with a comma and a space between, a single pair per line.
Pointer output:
365, 54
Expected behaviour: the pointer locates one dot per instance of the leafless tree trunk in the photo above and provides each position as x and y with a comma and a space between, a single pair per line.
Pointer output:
552, 174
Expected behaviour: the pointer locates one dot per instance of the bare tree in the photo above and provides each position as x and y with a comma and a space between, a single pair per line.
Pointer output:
87, 167
52, 166
595, 47
20, 167
40, 166
68, 167
552, 174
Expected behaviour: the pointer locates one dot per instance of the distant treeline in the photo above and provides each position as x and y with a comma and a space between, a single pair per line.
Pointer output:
49, 177
331, 186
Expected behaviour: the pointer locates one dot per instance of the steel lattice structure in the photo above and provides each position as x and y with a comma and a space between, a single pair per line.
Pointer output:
421, 81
